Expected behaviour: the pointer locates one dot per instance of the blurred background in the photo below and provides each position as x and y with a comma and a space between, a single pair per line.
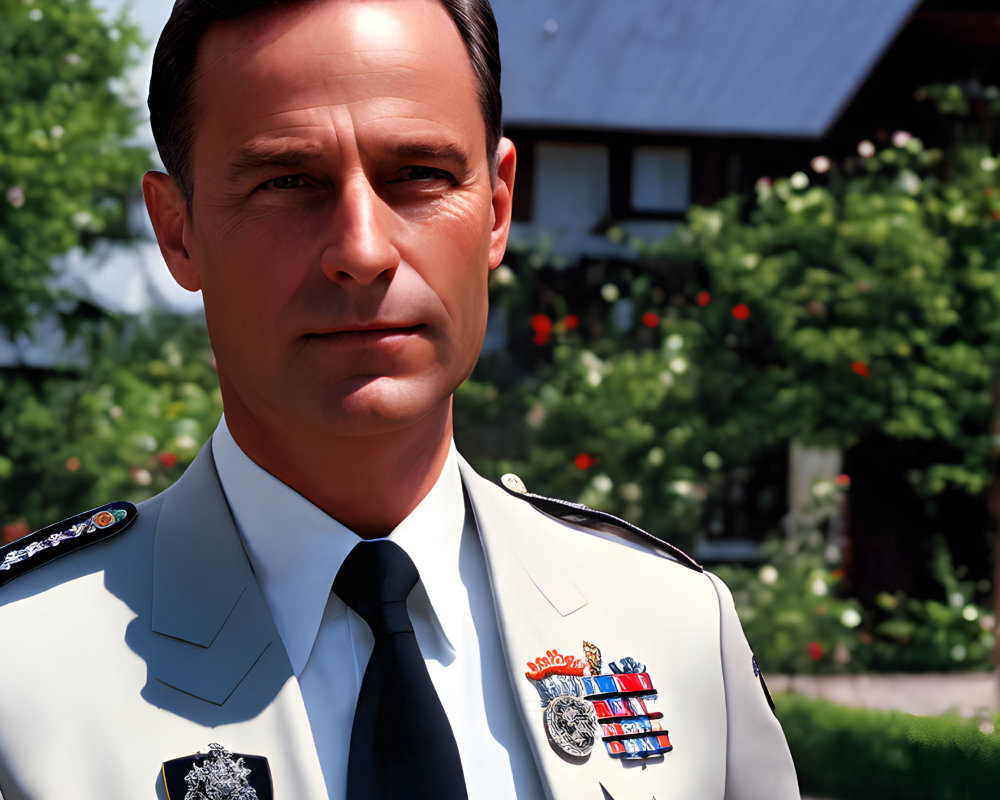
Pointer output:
751, 303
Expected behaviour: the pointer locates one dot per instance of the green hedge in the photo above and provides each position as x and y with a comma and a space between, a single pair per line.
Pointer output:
858, 753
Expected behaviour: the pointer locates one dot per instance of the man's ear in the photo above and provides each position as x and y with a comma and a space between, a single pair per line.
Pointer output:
503, 200
168, 211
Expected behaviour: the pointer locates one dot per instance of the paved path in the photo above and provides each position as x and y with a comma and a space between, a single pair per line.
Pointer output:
970, 694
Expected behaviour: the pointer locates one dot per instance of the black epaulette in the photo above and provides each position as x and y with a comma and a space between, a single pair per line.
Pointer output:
587, 517
53, 541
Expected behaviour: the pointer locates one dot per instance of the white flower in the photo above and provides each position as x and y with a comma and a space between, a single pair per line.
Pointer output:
594, 378
678, 365
986, 727
631, 492
57, 131
901, 138
850, 618
956, 600
768, 574
610, 292
750, 260
115, 412
988, 164
799, 180
35, 14
15, 196
970, 613
656, 456
675, 341
823, 489
958, 653
819, 587
667, 378
820, 164
186, 442
866, 149
142, 477
909, 182
81, 219
536, 416
73, 59
503, 276
602, 483
683, 488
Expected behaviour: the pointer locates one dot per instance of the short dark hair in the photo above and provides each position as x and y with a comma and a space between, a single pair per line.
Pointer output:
171, 106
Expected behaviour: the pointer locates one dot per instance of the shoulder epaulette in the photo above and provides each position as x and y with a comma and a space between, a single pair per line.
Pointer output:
587, 517
53, 541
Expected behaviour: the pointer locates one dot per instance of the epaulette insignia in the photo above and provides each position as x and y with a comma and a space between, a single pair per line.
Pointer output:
71, 534
591, 518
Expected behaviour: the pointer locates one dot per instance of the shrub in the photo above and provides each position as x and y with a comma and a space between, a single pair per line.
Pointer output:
865, 754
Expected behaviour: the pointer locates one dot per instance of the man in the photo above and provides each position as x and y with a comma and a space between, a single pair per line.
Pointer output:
339, 191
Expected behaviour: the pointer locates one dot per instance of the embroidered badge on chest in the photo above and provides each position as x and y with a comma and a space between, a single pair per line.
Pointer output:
218, 775
617, 705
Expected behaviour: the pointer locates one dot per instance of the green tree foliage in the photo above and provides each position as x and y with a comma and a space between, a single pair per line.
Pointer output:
65, 159
826, 308
123, 429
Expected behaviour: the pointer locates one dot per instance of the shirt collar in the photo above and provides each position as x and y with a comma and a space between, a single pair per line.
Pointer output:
296, 549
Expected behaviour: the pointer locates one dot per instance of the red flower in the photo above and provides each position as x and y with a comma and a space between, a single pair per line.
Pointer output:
815, 651
14, 530
584, 461
167, 459
741, 311
572, 322
542, 326
703, 298
72, 464
843, 480
650, 319
861, 369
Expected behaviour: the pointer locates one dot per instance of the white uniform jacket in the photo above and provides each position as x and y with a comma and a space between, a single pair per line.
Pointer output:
156, 642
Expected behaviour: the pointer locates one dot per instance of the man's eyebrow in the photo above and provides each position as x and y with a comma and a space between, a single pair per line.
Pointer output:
253, 157
425, 151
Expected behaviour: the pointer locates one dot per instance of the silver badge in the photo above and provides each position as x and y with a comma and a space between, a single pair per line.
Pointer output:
219, 777
570, 723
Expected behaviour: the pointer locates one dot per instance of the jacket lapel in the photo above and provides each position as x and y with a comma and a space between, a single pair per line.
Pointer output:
538, 603
210, 622
541, 571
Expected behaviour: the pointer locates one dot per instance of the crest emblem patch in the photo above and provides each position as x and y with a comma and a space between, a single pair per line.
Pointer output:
218, 775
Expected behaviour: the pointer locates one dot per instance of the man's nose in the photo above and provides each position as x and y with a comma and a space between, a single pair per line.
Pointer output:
361, 247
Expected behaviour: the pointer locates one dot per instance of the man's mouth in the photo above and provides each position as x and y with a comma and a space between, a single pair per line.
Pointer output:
367, 336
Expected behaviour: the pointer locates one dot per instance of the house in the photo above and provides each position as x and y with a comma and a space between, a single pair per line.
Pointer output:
625, 113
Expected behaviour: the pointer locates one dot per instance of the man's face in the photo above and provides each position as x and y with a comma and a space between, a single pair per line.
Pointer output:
344, 219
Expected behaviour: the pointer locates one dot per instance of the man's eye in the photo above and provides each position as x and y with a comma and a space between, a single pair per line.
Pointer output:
287, 182
420, 174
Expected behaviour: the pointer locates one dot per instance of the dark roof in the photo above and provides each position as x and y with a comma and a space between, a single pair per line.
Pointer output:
754, 67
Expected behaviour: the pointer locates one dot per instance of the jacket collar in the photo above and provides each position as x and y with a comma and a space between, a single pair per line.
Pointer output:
213, 622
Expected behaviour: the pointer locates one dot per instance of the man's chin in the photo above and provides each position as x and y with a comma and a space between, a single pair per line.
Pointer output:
382, 405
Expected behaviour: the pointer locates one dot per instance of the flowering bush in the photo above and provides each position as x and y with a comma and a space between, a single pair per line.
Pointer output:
66, 160
123, 429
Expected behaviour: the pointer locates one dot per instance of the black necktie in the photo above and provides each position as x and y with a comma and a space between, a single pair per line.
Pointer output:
401, 744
